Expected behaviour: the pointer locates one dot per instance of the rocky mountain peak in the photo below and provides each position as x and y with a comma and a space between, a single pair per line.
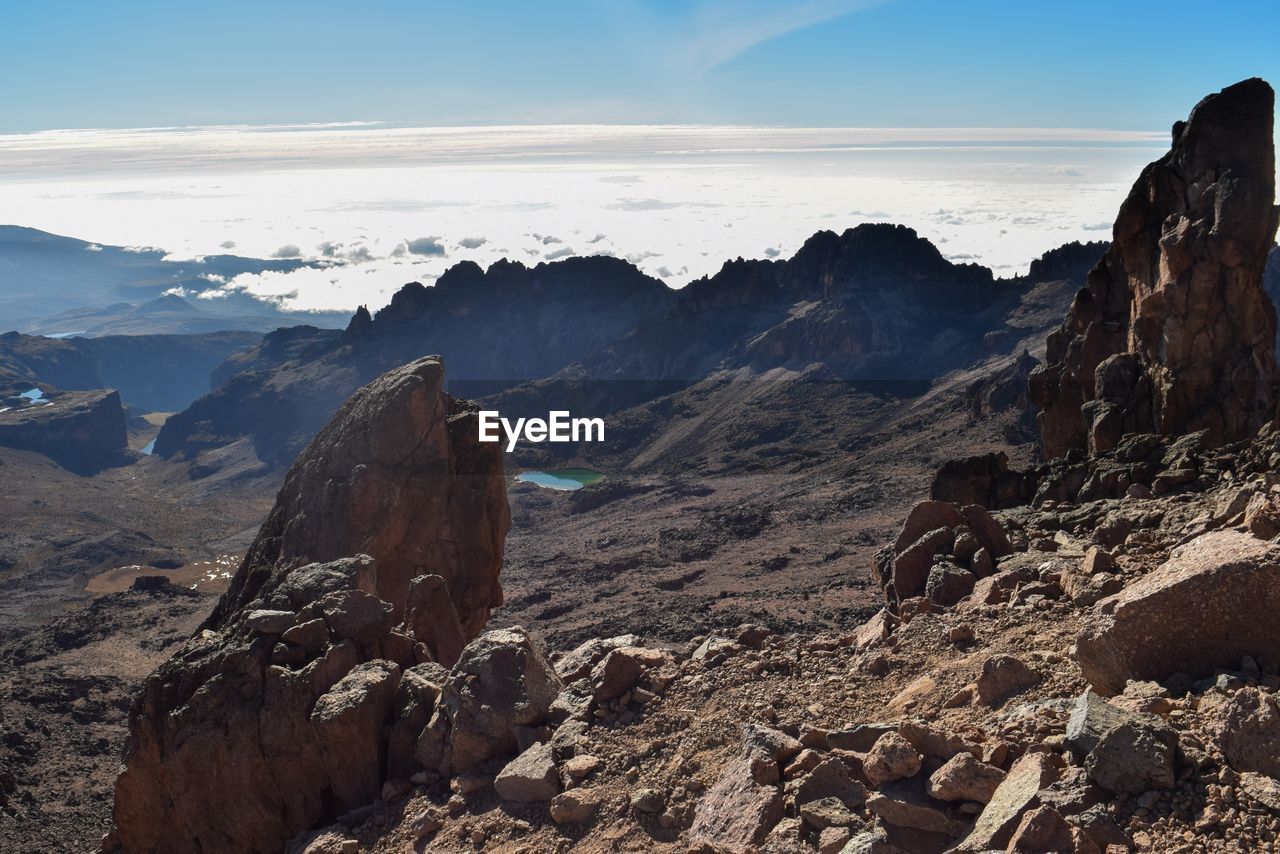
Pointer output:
361, 323
1173, 332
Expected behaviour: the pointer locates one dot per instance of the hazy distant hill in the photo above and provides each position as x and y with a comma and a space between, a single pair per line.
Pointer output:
53, 285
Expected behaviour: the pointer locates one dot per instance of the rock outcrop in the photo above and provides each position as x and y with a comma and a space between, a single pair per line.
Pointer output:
1173, 331
941, 553
399, 475
158, 372
82, 431
379, 561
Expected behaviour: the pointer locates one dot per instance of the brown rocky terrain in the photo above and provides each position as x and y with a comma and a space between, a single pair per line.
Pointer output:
1069, 655
72, 650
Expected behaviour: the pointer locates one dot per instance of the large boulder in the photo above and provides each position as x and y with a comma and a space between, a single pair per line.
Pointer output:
939, 553
1213, 602
736, 813
502, 681
530, 777
1173, 332
964, 778
348, 720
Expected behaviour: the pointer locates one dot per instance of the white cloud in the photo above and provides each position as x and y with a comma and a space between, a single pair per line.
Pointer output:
645, 205
289, 250
563, 252
706, 194
228, 244
473, 242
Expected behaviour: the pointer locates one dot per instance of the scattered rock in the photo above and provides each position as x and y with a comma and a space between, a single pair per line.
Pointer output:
1012, 798
859, 738
827, 812
891, 758
1261, 788
1003, 676
574, 806
964, 778
1246, 728
1041, 830
1097, 560
579, 663
581, 767
530, 777
502, 681
647, 801
736, 812
925, 517
908, 807
349, 719
830, 779
354, 614
268, 622
948, 584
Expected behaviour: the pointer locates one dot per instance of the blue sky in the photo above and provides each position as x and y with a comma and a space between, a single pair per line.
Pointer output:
910, 63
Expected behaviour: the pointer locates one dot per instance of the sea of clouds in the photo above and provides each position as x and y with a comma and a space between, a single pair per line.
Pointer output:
381, 205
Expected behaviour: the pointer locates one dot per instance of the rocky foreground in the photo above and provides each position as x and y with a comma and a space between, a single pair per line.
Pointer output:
1077, 657
965, 721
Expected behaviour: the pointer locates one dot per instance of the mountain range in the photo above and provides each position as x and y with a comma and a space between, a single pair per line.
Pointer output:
876, 304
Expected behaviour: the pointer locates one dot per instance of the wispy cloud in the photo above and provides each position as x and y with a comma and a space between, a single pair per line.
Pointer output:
724, 29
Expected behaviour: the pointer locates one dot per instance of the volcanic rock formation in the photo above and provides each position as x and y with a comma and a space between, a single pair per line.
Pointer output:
281, 711
399, 474
1173, 331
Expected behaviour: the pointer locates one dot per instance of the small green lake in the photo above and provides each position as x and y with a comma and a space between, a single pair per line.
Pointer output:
563, 479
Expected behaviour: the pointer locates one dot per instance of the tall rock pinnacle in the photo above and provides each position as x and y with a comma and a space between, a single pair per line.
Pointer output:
310, 683
1173, 332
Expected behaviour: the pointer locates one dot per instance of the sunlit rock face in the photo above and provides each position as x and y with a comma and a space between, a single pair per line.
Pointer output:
1173, 331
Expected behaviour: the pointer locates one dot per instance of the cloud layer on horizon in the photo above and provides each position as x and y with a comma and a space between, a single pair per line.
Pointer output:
381, 206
